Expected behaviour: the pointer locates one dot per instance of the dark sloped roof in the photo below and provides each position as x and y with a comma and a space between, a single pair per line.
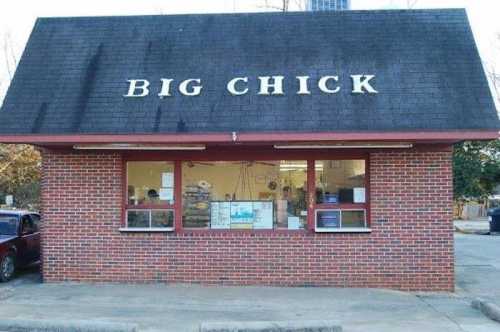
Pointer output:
74, 71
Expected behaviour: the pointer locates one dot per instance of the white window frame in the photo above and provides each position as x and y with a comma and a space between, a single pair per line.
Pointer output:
340, 229
150, 228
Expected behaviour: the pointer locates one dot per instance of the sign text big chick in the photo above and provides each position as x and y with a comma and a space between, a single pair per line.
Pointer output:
267, 86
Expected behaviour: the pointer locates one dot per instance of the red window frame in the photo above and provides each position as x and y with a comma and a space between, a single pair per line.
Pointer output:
126, 206
346, 206
246, 153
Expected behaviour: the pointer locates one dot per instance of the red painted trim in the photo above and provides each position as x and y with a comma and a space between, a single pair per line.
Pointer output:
311, 194
124, 193
149, 206
367, 192
244, 231
237, 153
341, 206
348, 206
125, 206
207, 138
178, 195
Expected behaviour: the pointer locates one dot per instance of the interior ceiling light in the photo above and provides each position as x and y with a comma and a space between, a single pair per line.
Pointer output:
118, 146
346, 146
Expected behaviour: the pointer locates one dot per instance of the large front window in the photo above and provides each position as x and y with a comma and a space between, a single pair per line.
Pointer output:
244, 194
316, 194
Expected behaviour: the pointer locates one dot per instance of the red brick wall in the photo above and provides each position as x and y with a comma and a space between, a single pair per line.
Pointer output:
410, 246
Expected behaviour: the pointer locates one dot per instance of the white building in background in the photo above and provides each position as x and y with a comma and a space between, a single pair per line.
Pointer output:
318, 5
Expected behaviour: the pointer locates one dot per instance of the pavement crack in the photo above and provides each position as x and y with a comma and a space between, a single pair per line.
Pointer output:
421, 298
6, 293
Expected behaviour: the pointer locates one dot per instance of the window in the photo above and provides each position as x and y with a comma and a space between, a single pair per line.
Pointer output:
8, 224
150, 195
335, 219
36, 221
150, 183
340, 181
244, 194
27, 225
340, 195
150, 218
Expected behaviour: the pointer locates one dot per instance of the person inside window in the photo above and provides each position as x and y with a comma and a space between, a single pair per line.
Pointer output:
287, 196
153, 196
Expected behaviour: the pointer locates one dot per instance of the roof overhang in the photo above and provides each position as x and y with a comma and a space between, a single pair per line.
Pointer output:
252, 138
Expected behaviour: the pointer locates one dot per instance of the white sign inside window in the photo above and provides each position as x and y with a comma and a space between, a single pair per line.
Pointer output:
294, 223
359, 195
166, 194
220, 217
167, 180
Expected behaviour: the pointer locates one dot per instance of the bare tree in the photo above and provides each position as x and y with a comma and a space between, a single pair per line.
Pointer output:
410, 4
10, 63
285, 5
494, 76
493, 71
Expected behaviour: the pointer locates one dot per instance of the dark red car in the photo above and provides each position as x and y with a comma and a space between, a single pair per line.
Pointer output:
19, 241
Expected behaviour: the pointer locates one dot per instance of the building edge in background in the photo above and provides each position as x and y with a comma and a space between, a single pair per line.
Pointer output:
322, 5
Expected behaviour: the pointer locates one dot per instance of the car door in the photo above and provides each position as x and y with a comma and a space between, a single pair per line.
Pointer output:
28, 241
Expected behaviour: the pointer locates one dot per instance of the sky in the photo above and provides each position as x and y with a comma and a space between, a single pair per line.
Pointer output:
17, 18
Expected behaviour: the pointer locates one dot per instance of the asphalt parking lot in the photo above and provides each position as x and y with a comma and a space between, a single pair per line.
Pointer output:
477, 266
183, 307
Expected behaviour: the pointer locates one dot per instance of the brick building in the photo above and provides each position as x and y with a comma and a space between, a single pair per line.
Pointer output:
238, 149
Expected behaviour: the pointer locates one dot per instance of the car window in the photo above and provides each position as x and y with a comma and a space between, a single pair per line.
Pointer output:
8, 224
27, 225
36, 222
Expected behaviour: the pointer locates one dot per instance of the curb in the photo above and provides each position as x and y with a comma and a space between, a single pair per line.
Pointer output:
490, 310
472, 231
42, 325
272, 326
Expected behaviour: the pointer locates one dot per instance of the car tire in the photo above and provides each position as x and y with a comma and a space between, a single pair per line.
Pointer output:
7, 267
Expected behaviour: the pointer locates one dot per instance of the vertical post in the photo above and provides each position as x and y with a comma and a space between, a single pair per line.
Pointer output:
311, 194
177, 195
367, 191
124, 191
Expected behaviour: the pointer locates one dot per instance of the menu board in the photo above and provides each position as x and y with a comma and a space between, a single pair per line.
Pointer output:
220, 215
263, 215
241, 214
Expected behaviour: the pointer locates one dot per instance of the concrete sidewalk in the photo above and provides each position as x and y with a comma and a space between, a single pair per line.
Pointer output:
183, 307
477, 266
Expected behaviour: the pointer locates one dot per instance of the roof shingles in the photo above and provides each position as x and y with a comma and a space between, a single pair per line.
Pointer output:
72, 76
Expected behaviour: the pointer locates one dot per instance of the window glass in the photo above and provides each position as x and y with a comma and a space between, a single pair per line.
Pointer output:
162, 218
138, 218
26, 225
353, 218
8, 224
150, 182
244, 194
150, 218
328, 218
36, 222
340, 181
336, 219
